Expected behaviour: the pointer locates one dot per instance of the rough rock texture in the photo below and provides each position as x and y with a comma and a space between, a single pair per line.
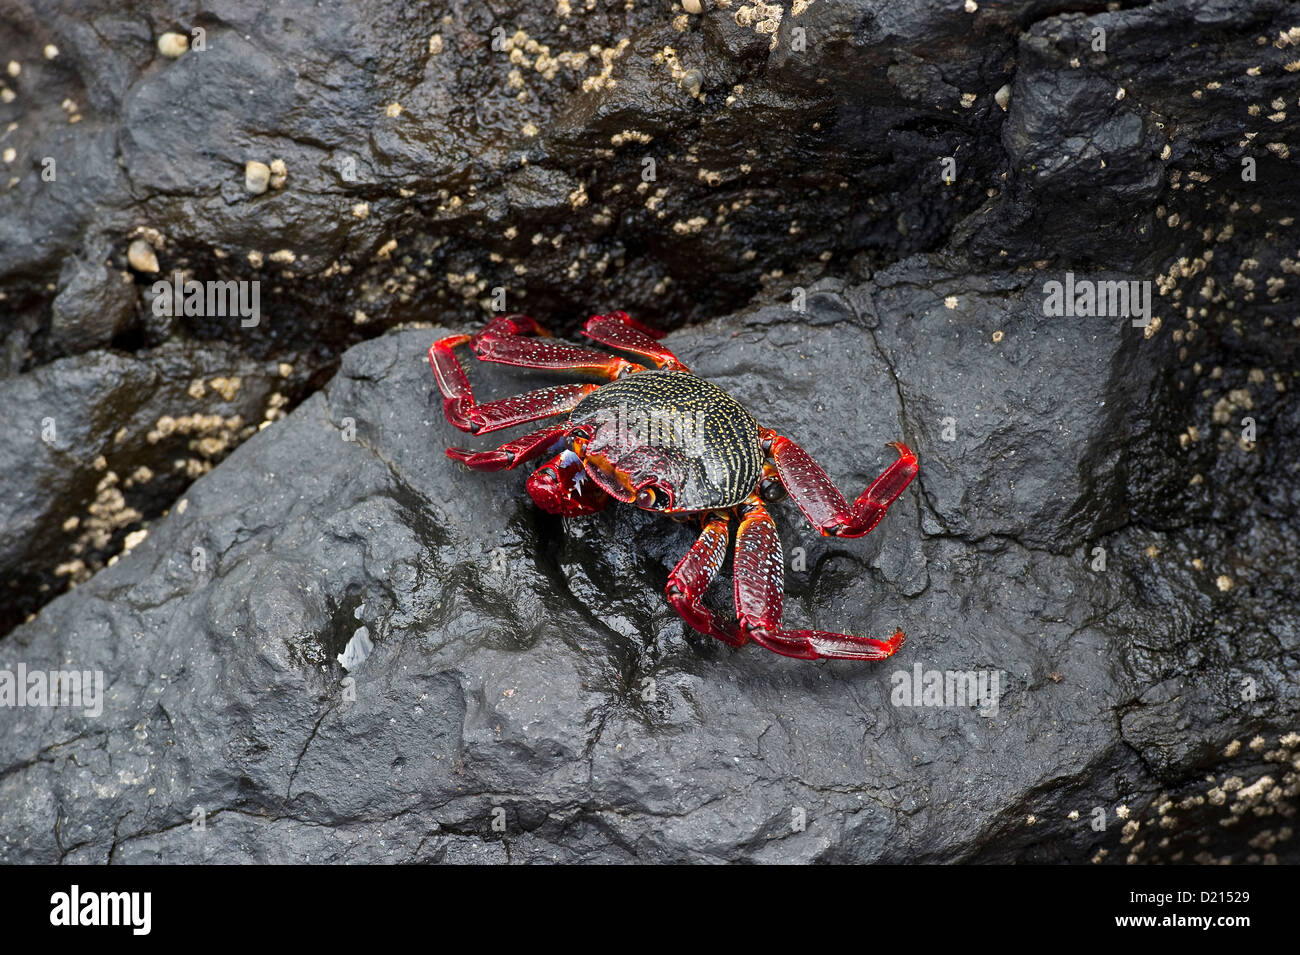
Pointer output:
493, 146
575, 159
532, 664
1106, 515
96, 442
514, 157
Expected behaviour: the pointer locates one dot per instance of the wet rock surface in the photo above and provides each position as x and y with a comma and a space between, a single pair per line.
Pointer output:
424, 162
97, 442
1105, 517
528, 669
544, 153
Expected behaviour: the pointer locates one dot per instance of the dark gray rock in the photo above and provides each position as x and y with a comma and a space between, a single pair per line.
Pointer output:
94, 304
986, 377
825, 137
98, 444
1097, 139
528, 669
509, 651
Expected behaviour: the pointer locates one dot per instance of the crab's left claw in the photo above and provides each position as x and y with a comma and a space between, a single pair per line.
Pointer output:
562, 486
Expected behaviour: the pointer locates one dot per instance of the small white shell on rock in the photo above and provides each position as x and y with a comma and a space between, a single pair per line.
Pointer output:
358, 648
692, 6
257, 176
173, 45
141, 257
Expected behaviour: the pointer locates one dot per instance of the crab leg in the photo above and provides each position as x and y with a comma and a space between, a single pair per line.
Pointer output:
619, 330
820, 500
552, 355
760, 589
458, 397
691, 577
515, 324
511, 454
504, 341
521, 409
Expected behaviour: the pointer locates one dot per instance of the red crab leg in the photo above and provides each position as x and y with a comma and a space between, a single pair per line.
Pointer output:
457, 396
502, 341
561, 486
819, 499
552, 355
619, 330
521, 409
511, 325
690, 578
511, 454
759, 575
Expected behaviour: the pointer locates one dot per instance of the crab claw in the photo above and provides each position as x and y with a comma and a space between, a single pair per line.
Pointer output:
562, 486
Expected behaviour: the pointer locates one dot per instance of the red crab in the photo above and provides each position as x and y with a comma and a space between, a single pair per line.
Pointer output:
672, 443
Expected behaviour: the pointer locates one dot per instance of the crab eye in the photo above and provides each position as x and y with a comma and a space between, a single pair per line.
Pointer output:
646, 497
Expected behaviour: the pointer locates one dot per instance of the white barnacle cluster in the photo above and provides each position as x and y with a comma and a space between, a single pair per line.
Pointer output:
258, 176
681, 76
765, 18
1175, 827
528, 55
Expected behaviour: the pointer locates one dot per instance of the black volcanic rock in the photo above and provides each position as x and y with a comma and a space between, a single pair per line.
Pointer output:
98, 443
531, 665
1106, 515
